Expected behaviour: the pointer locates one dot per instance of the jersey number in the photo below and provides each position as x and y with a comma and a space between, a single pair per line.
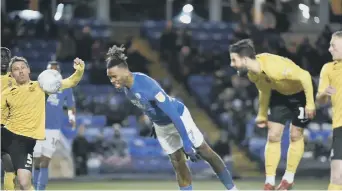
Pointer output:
301, 113
29, 159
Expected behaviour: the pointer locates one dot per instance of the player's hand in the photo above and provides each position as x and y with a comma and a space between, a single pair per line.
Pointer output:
73, 123
261, 122
329, 91
191, 153
79, 64
310, 113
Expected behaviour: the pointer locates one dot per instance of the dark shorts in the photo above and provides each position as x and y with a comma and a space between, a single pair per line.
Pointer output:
336, 149
285, 108
20, 148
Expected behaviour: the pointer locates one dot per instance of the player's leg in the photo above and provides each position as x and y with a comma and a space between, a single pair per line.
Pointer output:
206, 152
278, 116
6, 160
294, 156
37, 153
21, 151
48, 148
182, 170
217, 165
9, 176
336, 161
295, 152
171, 143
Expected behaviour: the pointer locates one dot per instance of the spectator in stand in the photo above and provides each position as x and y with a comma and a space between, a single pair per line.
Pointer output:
168, 42
84, 42
80, 150
66, 48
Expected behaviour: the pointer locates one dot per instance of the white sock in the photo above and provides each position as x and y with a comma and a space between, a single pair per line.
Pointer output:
234, 188
289, 177
270, 180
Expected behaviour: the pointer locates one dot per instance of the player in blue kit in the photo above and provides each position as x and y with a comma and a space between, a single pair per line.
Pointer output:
44, 149
175, 129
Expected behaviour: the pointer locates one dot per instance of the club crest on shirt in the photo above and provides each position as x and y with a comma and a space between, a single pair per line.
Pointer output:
160, 97
31, 88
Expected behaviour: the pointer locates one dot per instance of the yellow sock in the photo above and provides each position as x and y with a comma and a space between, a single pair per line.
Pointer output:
272, 158
334, 187
294, 155
9, 181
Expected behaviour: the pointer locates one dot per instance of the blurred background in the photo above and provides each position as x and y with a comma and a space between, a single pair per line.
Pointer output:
184, 45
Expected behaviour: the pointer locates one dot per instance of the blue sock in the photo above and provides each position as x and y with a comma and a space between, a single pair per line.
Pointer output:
35, 176
43, 179
186, 187
226, 179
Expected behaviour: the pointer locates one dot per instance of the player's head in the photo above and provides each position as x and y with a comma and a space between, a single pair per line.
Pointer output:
336, 46
117, 68
20, 69
5, 59
240, 54
54, 65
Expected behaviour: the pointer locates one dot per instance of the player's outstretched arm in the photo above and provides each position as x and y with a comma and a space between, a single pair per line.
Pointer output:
76, 77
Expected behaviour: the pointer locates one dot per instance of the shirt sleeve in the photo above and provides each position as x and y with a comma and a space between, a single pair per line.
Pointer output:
264, 97
165, 103
73, 80
323, 79
70, 99
4, 104
293, 72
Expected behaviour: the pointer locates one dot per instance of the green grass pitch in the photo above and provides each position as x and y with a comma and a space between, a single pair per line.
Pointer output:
302, 184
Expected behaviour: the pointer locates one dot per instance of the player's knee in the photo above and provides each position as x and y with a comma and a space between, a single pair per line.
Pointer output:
24, 180
206, 152
178, 160
36, 162
44, 162
274, 137
296, 133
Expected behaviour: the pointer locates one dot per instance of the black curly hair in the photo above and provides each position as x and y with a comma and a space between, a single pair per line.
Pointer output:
116, 57
5, 59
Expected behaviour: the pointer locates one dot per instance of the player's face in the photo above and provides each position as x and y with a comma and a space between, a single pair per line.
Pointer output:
238, 63
117, 76
20, 72
336, 48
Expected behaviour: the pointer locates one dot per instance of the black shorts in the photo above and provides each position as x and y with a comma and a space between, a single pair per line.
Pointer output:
285, 108
336, 149
20, 148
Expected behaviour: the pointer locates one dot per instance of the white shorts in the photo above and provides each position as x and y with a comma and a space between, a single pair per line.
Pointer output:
169, 138
48, 146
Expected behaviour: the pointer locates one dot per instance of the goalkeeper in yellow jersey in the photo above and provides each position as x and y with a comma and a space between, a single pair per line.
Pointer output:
6, 82
285, 93
330, 86
25, 123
